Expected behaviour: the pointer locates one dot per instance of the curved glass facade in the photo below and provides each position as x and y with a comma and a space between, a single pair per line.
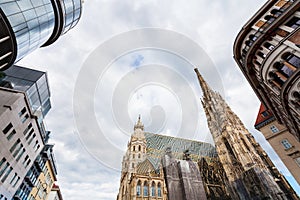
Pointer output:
35, 23
32, 21
72, 12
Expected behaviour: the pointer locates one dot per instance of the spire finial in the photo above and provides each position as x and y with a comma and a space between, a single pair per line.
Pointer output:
139, 124
205, 88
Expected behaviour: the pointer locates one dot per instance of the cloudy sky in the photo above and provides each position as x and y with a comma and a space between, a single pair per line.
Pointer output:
102, 75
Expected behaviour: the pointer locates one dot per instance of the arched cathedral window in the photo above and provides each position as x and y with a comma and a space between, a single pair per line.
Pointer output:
138, 189
145, 188
153, 189
159, 190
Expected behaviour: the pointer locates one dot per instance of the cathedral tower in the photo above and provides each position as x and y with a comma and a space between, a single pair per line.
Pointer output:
136, 148
139, 177
249, 176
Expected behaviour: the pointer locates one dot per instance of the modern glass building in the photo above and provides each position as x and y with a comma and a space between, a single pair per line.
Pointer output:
26, 25
33, 83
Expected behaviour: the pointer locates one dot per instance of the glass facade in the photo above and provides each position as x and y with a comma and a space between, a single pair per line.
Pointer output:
34, 83
72, 10
32, 21
35, 23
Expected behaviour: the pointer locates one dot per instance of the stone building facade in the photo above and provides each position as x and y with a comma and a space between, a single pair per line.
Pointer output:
283, 142
164, 167
267, 50
160, 167
250, 172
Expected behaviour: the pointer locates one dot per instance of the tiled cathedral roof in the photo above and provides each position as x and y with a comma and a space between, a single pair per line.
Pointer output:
157, 144
145, 167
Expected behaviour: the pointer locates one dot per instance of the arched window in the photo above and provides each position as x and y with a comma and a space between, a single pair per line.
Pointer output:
269, 45
159, 190
296, 95
291, 59
138, 188
261, 54
133, 156
145, 188
252, 37
269, 18
276, 12
133, 148
278, 81
293, 23
139, 155
139, 147
284, 69
153, 189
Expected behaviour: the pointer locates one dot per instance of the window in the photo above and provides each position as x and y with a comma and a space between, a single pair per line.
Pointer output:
25, 118
18, 150
2, 161
261, 54
22, 112
276, 12
145, 188
12, 133
158, 190
27, 129
297, 160
14, 145
14, 185
153, 189
269, 18
132, 165
6, 174
29, 142
37, 147
293, 23
269, 45
133, 156
29, 135
13, 178
265, 113
25, 159
292, 59
28, 162
138, 189
139, 155
139, 147
21, 154
7, 128
4, 169
286, 144
274, 129
133, 148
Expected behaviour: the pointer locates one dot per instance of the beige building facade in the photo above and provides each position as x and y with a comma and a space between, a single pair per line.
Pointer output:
267, 50
20, 140
283, 142
139, 178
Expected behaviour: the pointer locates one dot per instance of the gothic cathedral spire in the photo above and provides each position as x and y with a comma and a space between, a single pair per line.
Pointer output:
246, 171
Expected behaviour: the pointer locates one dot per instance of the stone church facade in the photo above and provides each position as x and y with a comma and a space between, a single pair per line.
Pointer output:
159, 167
249, 170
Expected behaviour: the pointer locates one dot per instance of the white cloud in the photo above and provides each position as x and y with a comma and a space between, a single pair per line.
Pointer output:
213, 24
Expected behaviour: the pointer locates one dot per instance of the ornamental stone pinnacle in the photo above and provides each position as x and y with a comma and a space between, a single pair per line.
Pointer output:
139, 124
249, 171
